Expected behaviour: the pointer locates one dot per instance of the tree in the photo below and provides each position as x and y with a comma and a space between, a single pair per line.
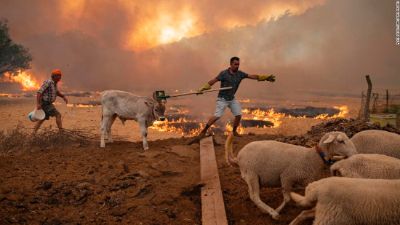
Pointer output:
13, 57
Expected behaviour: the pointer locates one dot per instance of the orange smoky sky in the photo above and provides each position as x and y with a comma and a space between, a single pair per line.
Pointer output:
313, 46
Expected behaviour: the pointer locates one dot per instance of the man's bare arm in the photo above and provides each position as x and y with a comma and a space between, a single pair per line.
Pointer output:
212, 82
59, 94
253, 76
62, 96
38, 101
208, 85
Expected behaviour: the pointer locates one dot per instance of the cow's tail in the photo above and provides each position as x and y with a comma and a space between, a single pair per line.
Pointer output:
229, 157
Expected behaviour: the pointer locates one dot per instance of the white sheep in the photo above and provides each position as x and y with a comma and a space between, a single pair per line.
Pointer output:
275, 164
372, 166
352, 201
377, 141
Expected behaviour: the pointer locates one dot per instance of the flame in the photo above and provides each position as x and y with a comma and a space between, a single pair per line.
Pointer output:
343, 112
80, 105
269, 115
229, 128
25, 79
248, 114
168, 126
244, 100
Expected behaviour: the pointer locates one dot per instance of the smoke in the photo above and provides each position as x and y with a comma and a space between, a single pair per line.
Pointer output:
313, 47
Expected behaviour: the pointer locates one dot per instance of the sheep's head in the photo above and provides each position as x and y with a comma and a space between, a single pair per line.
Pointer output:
337, 144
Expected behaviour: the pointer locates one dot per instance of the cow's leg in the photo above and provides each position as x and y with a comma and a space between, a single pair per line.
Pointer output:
143, 132
106, 116
110, 123
103, 130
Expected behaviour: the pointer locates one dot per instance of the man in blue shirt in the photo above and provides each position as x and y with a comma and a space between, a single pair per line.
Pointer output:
230, 77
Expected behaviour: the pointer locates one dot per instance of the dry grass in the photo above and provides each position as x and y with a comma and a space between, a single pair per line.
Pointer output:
21, 138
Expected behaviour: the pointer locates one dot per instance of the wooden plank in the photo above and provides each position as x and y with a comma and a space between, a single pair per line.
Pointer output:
212, 202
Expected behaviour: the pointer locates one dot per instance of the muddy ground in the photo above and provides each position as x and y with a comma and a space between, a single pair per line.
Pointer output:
54, 180
83, 184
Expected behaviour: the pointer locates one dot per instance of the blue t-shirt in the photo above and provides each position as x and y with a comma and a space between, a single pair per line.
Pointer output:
230, 80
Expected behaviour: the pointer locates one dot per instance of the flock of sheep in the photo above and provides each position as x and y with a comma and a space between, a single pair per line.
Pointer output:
364, 189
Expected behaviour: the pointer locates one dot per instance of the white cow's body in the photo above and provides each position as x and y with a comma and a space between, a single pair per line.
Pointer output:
128, 106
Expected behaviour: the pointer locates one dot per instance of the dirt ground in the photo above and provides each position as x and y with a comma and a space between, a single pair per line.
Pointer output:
76, 182
83, 184
89, 185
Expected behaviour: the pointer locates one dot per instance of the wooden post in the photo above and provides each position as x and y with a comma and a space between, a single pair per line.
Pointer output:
212, 202
387, 101
375, 97
361, 111
366, 106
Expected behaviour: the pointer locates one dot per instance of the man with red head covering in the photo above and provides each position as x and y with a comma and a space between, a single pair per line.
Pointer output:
45, 97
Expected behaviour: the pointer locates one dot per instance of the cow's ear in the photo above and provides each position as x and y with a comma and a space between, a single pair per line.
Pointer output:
155, 96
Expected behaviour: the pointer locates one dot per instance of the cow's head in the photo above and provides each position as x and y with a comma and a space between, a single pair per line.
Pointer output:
337, 144
159, 108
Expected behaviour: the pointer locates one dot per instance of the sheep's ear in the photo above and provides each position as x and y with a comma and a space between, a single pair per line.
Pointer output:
340, 138
338, 157
329, 139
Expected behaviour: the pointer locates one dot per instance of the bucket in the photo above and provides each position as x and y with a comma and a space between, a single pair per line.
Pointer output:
36, 115
383, 119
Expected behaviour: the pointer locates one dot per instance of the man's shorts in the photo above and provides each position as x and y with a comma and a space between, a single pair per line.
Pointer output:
234, 105
49, 109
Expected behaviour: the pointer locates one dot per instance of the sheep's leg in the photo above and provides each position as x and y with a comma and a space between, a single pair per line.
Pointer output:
110, 123
331, 214
143, 131
286, 199
254, 192
305, 214
286, 188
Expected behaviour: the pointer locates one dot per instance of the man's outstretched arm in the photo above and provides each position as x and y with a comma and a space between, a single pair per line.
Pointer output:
207, 86
270, 78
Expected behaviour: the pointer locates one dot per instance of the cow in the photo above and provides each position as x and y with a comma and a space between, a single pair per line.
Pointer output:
127, 106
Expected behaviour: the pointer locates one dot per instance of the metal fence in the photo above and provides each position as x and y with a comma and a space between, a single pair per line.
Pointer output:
382, 102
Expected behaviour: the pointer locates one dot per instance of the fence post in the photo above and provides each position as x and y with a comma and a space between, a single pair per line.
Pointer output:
366, 106
387, 101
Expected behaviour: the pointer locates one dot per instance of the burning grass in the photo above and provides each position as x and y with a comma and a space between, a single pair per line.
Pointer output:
180, 121
20, 138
